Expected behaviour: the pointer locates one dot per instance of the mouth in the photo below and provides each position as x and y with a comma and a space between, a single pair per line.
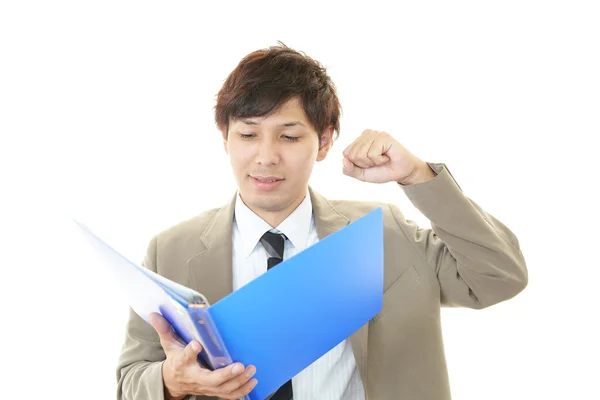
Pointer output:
266, 182
266, 179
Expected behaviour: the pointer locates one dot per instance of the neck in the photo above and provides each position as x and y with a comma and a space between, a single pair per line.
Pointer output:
275, 217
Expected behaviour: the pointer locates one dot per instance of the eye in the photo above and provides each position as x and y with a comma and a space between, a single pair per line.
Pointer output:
291, 138
247, 135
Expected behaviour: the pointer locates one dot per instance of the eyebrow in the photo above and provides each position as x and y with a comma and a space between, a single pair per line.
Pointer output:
286, 124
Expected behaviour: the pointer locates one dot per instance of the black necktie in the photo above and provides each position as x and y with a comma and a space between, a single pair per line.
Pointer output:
273, 244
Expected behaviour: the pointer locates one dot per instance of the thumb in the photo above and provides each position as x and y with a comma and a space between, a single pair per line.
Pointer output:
168, 338
352, 170
380, 159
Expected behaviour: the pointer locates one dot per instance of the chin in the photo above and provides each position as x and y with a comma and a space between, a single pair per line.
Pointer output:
268, 202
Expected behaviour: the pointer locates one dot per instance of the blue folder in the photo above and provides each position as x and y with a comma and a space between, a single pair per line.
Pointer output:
282, 321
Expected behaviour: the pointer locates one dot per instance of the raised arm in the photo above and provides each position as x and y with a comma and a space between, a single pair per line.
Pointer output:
476, 257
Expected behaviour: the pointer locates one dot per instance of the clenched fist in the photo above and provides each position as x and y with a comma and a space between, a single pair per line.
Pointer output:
377, 157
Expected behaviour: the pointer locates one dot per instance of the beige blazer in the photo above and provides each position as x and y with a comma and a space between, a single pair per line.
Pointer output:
467, 259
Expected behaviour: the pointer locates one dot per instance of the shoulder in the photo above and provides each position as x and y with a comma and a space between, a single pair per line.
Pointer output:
189, 229
169, 250
355, 209
395, 225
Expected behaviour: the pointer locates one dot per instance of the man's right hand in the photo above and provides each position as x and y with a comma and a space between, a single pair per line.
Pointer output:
183, 375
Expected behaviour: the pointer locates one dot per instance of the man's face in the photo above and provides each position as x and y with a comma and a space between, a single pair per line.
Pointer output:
272, 159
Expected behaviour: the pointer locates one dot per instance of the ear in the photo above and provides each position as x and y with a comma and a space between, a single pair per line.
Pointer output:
325, 144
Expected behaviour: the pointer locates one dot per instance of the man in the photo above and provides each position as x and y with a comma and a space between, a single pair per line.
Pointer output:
279, 114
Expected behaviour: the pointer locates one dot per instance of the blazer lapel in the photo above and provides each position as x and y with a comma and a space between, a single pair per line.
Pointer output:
328, 220
211, 269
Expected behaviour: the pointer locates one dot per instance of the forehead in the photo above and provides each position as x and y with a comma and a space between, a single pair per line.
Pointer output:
290, 111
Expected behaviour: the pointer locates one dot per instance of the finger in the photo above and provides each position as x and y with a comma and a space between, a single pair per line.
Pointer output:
221, 375
352, 148
349, 150
376, 153
352, 170
358, 156
360, 152
244, 389
369, 154
168, 338
237, 382
161, 325
190, 353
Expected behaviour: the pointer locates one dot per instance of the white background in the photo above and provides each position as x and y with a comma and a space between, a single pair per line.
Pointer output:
106, 114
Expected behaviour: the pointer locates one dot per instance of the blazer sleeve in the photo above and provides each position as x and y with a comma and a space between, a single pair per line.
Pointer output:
476, 258
139, 366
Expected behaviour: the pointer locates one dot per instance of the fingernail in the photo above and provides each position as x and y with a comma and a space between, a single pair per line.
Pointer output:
237, 368
195, 346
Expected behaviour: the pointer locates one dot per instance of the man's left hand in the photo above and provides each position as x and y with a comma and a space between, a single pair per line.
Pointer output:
377, 157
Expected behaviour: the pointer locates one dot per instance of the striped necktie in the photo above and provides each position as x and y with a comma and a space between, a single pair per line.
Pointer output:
273, 244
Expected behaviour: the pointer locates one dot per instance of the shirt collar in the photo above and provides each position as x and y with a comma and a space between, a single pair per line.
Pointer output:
295, 227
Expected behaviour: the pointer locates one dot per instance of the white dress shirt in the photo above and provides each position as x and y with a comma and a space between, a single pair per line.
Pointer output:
333, 376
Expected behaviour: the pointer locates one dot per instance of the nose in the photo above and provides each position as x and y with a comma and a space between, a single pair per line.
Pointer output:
268, 152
